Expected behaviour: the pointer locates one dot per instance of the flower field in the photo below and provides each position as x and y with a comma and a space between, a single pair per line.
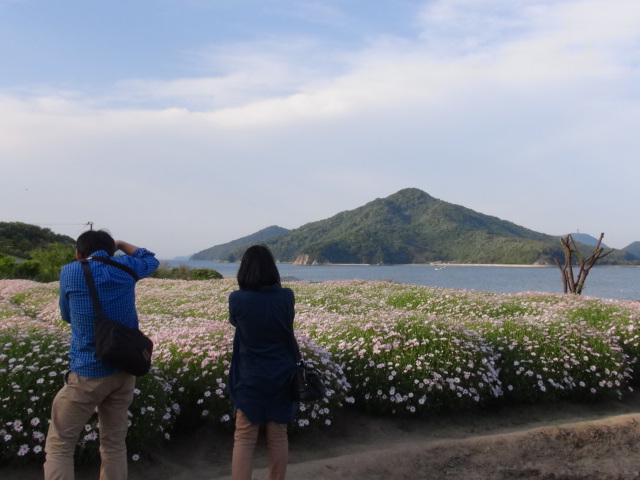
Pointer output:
385, 348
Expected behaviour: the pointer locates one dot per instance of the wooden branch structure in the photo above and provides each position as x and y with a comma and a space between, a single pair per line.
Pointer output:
570, 283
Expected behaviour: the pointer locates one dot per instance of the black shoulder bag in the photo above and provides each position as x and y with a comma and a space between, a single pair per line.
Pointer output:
306, 381
124, 347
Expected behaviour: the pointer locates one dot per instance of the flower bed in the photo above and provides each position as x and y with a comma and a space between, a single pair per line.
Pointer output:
383, 347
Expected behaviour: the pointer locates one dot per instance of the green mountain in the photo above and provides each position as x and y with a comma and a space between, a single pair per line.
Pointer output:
17, 239
586, 239
225, 252
410, 226
633, 249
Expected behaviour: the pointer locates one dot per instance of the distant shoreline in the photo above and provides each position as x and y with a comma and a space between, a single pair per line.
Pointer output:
444, 265
435, 264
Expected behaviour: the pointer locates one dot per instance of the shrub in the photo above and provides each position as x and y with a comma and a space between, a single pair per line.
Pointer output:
7, 266
206, 274
33, 361
184, 272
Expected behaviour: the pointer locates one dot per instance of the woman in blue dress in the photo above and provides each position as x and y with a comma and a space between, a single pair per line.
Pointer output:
263, 360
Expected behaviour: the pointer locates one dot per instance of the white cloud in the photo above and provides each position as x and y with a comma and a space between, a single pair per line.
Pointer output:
516, 109
234, 75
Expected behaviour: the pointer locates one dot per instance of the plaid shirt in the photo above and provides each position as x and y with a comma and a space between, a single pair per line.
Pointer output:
116, 290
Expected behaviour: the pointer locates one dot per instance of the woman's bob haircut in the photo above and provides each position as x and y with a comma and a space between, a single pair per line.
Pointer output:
257, 269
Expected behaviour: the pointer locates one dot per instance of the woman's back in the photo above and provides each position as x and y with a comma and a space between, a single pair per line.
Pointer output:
263, 354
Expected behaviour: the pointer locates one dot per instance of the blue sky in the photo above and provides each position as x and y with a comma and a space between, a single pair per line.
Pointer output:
179, 125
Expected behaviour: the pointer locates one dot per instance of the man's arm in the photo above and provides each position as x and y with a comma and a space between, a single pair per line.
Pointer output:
125, 247
144, 263
63, 303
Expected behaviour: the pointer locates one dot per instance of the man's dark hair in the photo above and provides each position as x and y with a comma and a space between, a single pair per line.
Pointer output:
257, 269
93, 240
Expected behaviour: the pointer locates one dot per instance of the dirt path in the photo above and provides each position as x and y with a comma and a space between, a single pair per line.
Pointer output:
559, 441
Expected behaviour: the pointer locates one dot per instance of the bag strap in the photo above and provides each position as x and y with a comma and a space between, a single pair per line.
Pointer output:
93, 291
119, 265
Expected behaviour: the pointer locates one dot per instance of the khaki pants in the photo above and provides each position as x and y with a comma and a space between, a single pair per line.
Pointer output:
244, 444
72, 407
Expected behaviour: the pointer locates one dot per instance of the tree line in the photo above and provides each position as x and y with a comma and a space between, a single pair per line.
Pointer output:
30, 252
44, 265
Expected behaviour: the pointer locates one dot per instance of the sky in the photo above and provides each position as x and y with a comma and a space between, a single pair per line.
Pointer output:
183, 124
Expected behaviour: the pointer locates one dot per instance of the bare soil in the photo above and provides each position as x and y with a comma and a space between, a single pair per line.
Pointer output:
562, 441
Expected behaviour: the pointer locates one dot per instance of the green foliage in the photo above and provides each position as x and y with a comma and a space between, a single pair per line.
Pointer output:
181, 272
7, 266
19, 239
32, 252
206, 274
28, 270
50, 260
184, 272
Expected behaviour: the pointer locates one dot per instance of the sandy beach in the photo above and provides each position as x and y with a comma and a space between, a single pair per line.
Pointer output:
558, 441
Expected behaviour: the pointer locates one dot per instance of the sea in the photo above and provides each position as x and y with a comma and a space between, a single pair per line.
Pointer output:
608, 282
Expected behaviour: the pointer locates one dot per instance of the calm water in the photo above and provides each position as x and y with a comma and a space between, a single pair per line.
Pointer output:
621, 283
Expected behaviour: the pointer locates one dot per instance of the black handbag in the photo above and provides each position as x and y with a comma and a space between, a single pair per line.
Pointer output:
306, 381
124, 347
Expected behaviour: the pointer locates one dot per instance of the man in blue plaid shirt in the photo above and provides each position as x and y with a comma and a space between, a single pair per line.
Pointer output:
92, 383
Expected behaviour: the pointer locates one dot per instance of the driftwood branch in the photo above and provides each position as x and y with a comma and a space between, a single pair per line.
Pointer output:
570, 283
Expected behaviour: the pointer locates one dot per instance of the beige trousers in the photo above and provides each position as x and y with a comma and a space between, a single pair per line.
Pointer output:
244, 444
72, 407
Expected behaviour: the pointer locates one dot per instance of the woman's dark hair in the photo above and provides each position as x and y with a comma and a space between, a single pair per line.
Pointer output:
93, 240
257, 269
